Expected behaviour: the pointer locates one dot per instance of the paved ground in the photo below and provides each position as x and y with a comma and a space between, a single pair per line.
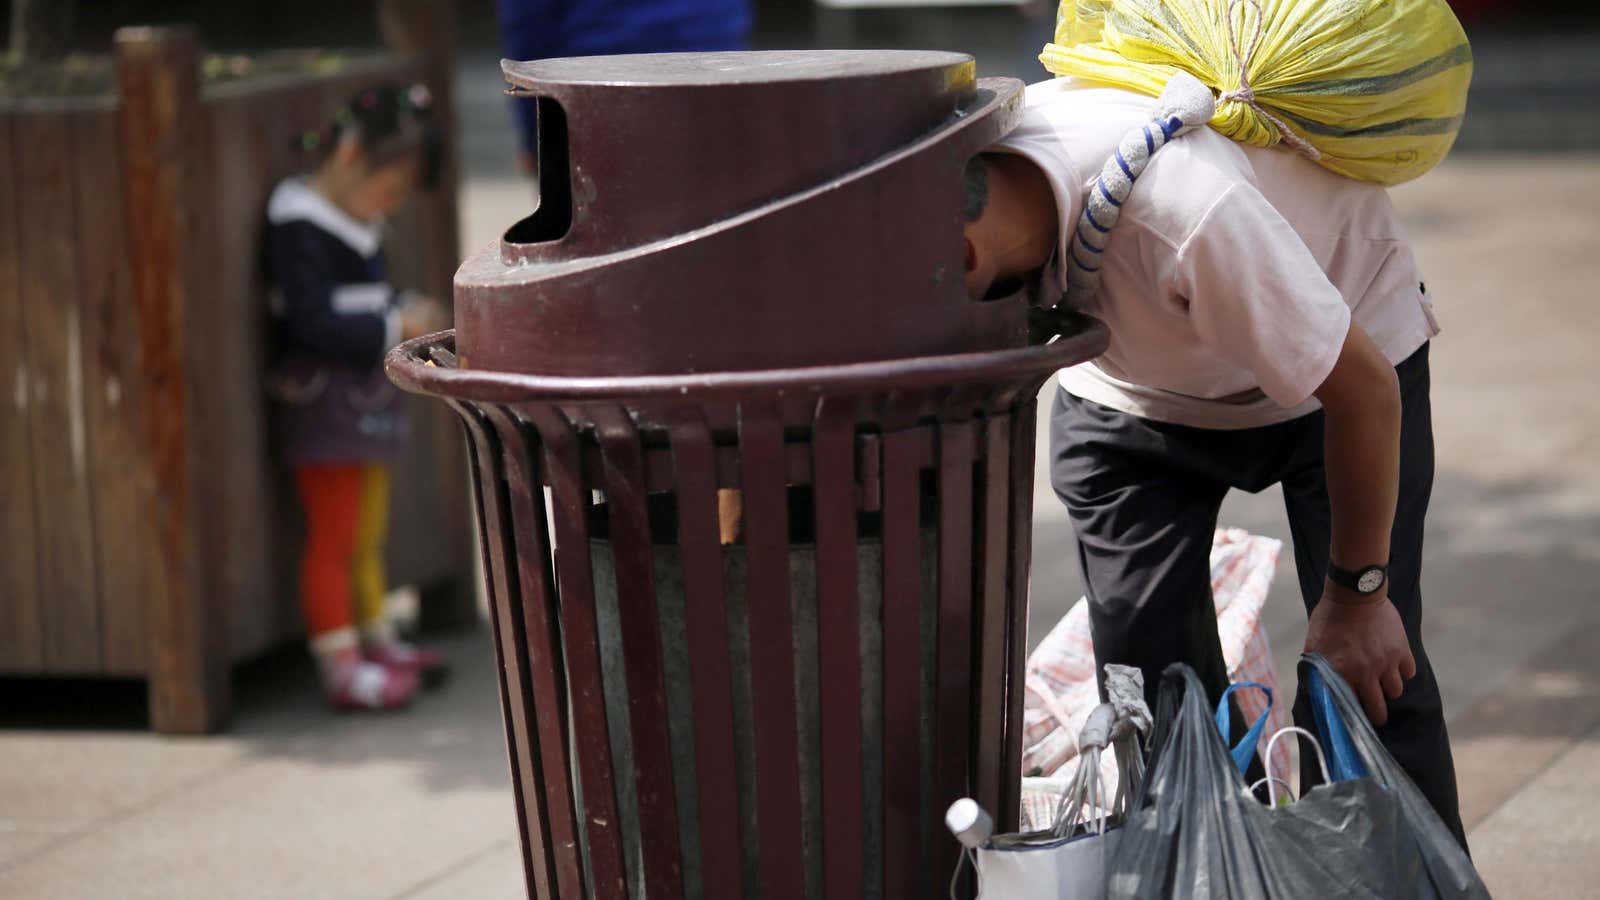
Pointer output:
298, 802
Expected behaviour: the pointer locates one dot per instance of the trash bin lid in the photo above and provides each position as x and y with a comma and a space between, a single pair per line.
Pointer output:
732, 211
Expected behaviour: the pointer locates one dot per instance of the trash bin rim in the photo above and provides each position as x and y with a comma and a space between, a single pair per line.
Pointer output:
408, 367
752, 67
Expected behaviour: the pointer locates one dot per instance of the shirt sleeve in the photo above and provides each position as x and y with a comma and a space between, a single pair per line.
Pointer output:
1257, 297
352, 323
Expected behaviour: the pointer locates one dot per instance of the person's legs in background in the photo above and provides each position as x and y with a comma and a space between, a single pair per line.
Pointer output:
378, 640
331, 497
367, 575
1415, 734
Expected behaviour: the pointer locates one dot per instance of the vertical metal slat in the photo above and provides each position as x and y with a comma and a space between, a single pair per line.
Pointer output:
902, 666
543, 662
711, 671
993, 525
839, 648
1021, 491
956, 602
772, 673
632, 552
494, 522
581, 641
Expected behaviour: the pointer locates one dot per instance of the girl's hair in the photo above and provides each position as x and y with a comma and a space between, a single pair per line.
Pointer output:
390, 122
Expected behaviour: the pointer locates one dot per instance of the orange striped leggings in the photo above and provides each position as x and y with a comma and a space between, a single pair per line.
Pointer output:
347, 521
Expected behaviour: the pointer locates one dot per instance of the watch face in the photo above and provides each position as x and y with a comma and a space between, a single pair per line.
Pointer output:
1370, 580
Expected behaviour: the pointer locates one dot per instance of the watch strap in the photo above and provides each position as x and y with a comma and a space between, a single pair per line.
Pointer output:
1352, 579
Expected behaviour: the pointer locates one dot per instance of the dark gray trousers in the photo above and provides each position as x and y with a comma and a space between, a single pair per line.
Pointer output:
1143, 497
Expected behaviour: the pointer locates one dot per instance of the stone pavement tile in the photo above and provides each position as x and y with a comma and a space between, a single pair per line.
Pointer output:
494, 874
60, 781
301, 802
286, 824
1541, 843
1511, 736
16, 843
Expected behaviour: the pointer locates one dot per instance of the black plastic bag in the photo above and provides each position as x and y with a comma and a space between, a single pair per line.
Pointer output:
1198, 833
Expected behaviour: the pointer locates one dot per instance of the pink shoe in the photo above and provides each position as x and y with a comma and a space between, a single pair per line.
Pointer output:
399, 656
353, 683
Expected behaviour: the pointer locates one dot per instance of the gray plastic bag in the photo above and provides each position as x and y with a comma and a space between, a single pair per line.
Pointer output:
1197, 832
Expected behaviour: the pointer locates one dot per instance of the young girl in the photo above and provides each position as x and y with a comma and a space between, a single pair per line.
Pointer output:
334, 315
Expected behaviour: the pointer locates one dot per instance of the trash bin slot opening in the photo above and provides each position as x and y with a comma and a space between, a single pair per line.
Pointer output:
553, 218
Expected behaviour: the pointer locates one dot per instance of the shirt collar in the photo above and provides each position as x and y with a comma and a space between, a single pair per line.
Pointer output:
294, 200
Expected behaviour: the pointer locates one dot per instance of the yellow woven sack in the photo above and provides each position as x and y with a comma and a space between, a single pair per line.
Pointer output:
1371, 89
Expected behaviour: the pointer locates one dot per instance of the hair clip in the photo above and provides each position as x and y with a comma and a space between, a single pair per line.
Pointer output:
310, 139
419, 96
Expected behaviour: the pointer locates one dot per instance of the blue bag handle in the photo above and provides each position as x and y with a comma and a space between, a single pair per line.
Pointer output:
1246, 748
1344, 762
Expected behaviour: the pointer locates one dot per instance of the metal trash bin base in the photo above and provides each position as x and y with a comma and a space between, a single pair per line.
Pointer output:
649, 756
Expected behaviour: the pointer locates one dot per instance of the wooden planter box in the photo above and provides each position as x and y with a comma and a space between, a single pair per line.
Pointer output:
144, 528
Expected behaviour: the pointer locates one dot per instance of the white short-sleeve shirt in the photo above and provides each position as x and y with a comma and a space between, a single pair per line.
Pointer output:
1233, 273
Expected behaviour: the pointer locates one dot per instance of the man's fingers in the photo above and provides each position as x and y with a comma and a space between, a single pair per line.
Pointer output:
1393, 684
1408, 667
1372, 701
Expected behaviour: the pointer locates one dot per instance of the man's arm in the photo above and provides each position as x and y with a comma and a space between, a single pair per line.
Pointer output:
1362, 636
1258, 298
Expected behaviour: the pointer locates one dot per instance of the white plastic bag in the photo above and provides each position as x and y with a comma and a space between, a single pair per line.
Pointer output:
1060, 678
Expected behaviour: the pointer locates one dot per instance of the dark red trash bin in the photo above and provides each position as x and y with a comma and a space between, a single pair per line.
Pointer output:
745, 273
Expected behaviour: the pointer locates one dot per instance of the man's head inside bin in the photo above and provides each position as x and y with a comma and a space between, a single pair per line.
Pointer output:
1010, 223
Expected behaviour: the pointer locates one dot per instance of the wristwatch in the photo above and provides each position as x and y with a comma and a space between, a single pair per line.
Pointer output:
1366, 581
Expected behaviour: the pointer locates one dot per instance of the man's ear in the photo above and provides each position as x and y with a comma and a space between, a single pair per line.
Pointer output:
978, 262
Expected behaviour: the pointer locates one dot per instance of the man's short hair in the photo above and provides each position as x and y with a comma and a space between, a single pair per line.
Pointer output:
975, 189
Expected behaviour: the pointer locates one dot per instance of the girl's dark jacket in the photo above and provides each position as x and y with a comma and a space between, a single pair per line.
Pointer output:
334, 315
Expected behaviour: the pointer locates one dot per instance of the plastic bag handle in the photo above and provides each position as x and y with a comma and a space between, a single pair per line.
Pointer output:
1344, 760
1246, 748
1322, 760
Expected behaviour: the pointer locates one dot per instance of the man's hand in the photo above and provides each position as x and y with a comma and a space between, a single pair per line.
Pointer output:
1366, 643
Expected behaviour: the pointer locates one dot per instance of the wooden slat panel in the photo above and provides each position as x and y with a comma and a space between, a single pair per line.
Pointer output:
21, 628
711, 670
542, 660
772, 675
1021, 489
839, 650
902, 668
581, 641
426, 32
124, 483
956, 600
167, 176
231, 401
49, 255
514, 701
641, 642
993, 525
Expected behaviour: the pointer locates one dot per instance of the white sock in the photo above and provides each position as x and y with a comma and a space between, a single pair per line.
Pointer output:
378, 632
330, 645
